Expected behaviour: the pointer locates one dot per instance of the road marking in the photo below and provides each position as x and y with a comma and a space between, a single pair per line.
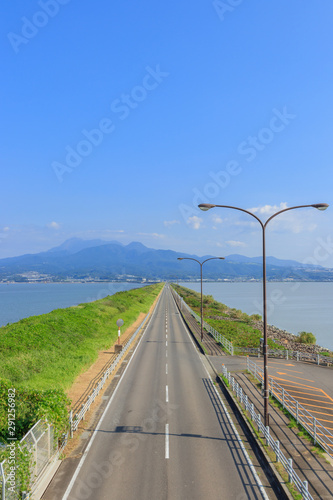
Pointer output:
309, 399
166, 343
299, 378
292, 371
83, 458
284, 364
167, 394
295, 384
166, 369
248, 459
166, 440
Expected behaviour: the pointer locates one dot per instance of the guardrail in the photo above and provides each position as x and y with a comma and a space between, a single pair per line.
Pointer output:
287, 463
216, 335
319, 433
287, 354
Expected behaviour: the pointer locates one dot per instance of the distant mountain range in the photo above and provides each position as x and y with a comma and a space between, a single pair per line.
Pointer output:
98, 259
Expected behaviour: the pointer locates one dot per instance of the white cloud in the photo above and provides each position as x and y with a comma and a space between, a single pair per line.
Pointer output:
169, 223
53, 225
194, 222
268, 209
233, 243
217, 219
152, 235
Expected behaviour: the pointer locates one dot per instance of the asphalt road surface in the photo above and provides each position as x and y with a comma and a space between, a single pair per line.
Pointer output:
165, 433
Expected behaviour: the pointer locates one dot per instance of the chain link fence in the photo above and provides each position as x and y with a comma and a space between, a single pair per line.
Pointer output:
42, 446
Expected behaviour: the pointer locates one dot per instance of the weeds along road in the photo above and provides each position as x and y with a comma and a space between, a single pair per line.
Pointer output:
164, 433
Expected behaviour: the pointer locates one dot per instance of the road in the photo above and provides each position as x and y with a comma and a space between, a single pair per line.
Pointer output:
165, 433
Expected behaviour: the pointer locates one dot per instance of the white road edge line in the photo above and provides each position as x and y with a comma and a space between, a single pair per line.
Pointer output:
253, 470
76, 473
166, 440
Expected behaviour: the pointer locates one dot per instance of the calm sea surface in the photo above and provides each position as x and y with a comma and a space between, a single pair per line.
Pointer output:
21, 300
294, 307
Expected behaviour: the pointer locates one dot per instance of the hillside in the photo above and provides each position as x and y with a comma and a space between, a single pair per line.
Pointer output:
97, 259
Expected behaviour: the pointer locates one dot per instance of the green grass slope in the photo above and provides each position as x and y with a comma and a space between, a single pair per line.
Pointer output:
51, 350
234, 324
41, 356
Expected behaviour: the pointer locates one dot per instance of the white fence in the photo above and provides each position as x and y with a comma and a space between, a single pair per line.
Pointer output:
216, 335
287, 354
319, 433
287, 463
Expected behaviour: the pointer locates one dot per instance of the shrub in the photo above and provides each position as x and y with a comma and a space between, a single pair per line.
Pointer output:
306, 338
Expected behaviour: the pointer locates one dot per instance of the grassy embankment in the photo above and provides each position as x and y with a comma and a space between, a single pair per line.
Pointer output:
236, 326
41, 356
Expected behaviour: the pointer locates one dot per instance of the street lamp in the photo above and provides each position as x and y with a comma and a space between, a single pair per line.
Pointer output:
201, 264
318, 206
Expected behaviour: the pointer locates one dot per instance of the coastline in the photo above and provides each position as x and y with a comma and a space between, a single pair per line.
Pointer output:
289, 340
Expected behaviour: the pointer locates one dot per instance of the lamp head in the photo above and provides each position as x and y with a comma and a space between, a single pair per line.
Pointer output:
180, 258
206, 206
320, 206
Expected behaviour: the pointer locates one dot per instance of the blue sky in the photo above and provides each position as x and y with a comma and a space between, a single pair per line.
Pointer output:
118, 118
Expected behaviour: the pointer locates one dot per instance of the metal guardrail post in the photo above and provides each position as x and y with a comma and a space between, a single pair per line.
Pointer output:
259, 421
3, 482
305, 491
267, 435
71, 423
290, 470
49, 451
277, 450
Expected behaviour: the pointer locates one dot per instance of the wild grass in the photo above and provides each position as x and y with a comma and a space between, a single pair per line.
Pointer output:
51, 350
41, 356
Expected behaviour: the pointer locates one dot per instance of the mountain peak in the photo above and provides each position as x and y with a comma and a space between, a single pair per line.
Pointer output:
74, 245
137, 247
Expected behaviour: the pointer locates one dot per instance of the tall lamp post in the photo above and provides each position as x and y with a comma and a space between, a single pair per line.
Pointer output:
319, 206
201, 264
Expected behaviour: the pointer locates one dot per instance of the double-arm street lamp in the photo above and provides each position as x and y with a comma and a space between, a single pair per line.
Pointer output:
201, 264
319, 206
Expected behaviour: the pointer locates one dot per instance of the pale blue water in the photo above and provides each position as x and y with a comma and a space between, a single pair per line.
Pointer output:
21, 300
294, 307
